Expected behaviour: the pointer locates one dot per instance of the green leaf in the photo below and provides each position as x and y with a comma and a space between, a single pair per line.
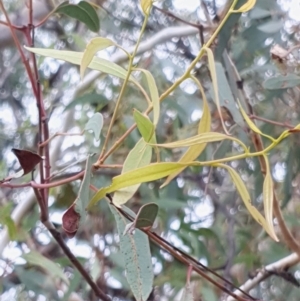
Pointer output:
84, 191
76, 57
95, 45
145, 126
240, 186
270, 27
199, 139
282, 81
49, 266
187, 294
154, 95
76, 214
83, 12
95, 124
139, 156
204, 126
89, 98
226, 97
148, 173
246, 7
268, 197
137, 257
146, 216
213, 74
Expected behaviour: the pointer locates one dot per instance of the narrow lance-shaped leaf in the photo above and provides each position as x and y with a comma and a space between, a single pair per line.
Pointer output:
250, 123
212, 69
145, 126
136, 253
199, 139
49, 266
95, 125
204, 126
139, 156
95, 45
240, 186
154, 95
148, 173
74, 57
268, 195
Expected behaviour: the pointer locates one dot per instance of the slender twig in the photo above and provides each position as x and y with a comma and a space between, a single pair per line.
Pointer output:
282, 124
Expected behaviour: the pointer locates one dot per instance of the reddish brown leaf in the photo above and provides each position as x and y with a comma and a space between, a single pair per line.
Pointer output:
70, 221
28, 160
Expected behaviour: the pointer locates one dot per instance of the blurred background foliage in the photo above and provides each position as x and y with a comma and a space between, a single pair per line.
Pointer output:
200, 211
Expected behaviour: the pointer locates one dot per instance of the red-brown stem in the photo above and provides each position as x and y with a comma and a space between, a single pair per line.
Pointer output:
282, 124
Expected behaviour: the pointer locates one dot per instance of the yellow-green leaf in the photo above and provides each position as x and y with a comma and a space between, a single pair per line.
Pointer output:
246, 7
204, 126
145, 126
250, 123
148, 173
154, 95
95, 45
199, 139
241, 187
146, 6
268, 196
212, 69
76, 57
139, 156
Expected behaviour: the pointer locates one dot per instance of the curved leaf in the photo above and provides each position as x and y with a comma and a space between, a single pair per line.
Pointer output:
246, 7
145, 126
76, 57
268, 196
154, 95
204, 126
148, 173
139, 156
95, 124
241, 187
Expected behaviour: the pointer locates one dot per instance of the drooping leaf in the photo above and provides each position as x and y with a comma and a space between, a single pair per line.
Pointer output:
282, 81
137, 257
268, 196
49, 266
83, 12
213, 74
153, 93
146, 216
199, 139
76, 213
95, 45
204, 126
95, 124
145, 126
27, 159
250, 123
240, 186
148, 173
139, 156
76, 57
